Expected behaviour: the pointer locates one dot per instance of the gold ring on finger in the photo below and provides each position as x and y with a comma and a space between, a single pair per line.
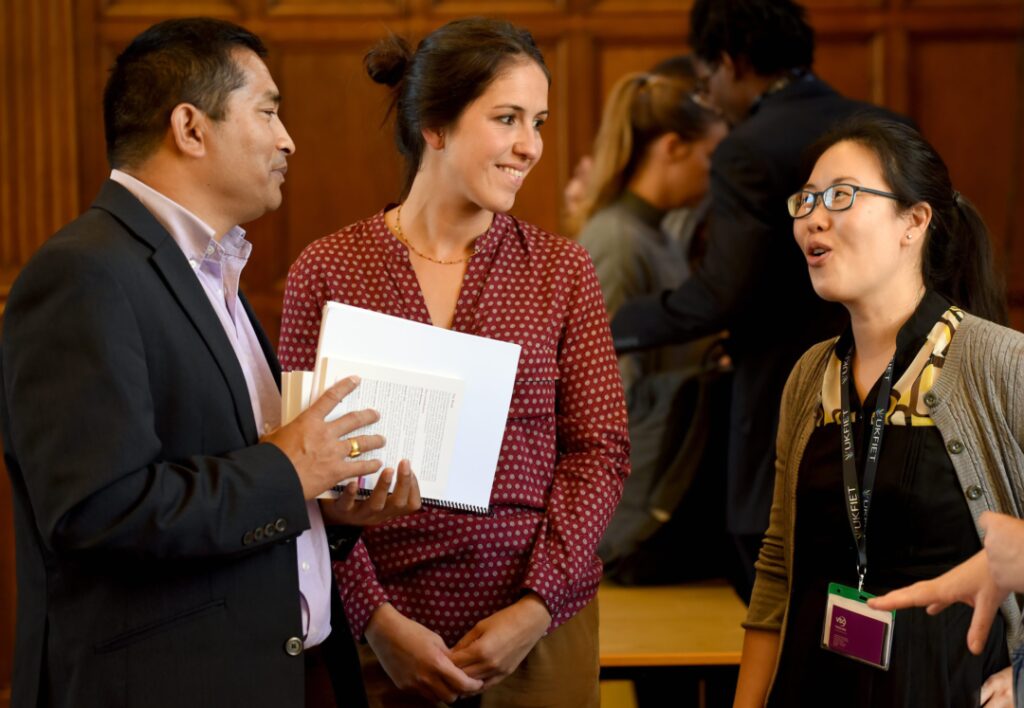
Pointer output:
354, 450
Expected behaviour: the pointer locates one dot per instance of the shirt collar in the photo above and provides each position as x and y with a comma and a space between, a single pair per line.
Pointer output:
912, 334
642, 209
779, 85
194, 236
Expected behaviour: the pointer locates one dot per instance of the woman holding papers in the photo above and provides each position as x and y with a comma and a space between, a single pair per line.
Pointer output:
454, 603
893, 439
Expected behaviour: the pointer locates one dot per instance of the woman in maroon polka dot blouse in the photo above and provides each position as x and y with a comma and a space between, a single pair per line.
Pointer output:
455, 603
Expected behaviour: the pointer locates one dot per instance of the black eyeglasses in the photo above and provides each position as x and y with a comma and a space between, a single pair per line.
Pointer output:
838, 197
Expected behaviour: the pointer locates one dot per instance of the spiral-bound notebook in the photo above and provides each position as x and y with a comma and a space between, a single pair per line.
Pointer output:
443, 397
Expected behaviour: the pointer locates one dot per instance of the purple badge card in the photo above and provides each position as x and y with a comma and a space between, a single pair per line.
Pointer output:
856, 635
855, 630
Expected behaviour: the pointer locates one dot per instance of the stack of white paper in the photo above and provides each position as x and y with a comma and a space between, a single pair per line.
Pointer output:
443, 397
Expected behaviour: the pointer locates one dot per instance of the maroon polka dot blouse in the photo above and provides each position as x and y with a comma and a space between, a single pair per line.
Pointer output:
565, 453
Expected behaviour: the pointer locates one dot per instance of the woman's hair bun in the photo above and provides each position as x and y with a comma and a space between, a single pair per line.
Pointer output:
387, 61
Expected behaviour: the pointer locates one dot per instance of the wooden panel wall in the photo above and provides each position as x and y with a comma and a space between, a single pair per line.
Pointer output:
39, 188
955, 66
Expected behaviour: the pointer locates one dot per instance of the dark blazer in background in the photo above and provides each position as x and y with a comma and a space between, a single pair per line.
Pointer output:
752, 281
155, 554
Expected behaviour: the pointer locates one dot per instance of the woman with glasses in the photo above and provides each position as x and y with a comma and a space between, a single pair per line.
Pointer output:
893, 439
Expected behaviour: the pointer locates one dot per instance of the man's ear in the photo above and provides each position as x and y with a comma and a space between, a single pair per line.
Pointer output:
189, 129
734, 68
434, 137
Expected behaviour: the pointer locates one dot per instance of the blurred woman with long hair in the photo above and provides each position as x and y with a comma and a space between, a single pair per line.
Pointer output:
651, 157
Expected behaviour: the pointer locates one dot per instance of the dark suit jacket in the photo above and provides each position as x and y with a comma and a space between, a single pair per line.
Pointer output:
140, 484
752, 281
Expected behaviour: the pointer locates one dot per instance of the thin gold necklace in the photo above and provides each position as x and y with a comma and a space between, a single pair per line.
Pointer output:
401, 237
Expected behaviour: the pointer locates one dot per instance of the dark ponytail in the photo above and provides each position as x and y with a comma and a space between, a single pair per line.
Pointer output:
962, 268
450, 68
956, 260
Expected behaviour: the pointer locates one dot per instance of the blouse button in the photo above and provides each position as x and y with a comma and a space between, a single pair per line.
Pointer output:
955, 447
973, 492
930, 399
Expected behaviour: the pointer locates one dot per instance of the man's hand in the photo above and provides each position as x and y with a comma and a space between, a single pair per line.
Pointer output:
496, 646
415, 658
349, 510
970, 583
315, 447
1004, 543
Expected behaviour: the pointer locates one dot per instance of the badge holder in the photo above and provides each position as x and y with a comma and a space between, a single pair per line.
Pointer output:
855, 630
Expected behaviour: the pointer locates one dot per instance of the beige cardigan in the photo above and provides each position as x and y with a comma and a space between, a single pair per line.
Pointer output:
977, 404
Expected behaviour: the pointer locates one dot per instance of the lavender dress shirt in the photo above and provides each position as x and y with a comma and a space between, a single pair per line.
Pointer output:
218, 265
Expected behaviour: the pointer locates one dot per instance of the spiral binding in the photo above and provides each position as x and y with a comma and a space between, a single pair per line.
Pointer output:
458, 506
443, 503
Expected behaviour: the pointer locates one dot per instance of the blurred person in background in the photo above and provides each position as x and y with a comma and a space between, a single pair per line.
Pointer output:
652, 155
754, 60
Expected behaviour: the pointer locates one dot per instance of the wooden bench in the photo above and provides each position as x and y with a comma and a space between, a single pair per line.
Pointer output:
687, 637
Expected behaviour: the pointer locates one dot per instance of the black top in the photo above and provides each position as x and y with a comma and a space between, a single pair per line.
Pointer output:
919, 527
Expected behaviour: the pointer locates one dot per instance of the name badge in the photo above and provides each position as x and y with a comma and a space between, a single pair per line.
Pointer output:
855, 630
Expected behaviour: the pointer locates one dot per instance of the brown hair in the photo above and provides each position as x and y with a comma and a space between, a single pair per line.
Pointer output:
450, 68
641, 108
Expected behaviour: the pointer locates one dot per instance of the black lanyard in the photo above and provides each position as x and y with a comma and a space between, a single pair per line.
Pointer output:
859, 502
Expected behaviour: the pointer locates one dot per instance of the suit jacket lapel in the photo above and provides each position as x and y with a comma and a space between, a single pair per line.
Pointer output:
172, 265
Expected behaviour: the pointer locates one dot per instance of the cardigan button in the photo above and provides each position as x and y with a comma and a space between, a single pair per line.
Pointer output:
930, 399
293, 647
974, 492
280, 525
955, 447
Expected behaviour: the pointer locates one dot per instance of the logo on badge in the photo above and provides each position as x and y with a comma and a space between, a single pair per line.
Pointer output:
841, 621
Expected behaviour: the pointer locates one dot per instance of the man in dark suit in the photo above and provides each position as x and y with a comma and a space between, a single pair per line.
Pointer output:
167, 554
754, 59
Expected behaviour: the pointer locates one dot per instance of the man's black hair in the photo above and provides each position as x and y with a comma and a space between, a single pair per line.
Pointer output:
185, 60
772, 36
